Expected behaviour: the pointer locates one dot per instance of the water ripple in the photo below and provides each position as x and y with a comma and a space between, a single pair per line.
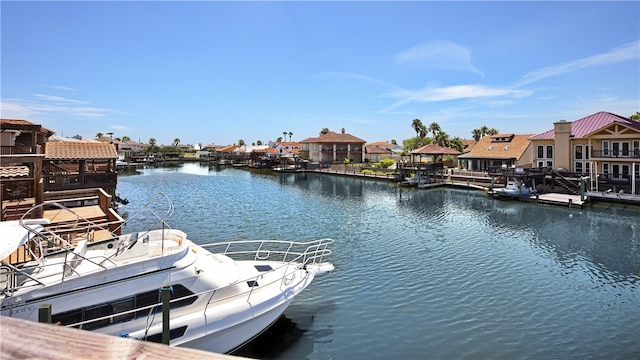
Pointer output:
439, 273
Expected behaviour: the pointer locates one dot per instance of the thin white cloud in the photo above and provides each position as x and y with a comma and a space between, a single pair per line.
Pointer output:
439, 54
449, 93
53, 98
60, 87
44, 105
440, 94
9, 109
623, 53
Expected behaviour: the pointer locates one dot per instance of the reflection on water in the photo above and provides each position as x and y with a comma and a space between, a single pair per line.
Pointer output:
437, 273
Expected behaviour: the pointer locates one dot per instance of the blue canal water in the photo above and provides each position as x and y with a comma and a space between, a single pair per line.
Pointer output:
423, 274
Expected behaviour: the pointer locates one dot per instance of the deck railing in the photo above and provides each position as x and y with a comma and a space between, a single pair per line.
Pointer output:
74, 181
628, 154
19, 149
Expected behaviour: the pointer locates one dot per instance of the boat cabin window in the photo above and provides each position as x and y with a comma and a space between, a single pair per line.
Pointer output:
120, 310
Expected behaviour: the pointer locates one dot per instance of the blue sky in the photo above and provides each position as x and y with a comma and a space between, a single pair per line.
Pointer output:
216, 72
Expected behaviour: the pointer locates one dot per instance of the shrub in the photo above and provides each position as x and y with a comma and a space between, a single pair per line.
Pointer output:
386, 163
368, 171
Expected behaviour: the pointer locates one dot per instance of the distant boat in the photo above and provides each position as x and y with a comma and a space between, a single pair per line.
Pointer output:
121, 164
514, 189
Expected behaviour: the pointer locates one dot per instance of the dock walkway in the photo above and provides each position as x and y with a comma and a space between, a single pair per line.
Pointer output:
484, 184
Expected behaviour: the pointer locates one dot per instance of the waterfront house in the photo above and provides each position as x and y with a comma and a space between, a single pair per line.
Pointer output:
603, 146
499, 151
32, 171
21, 145
376, 151
333, 148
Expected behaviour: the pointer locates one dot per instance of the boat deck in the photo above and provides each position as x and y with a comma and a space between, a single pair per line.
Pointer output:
93, 212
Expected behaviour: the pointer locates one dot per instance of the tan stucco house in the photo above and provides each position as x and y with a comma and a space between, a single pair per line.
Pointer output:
333, 148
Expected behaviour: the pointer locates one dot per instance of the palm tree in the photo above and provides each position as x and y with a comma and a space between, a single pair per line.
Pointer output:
324, 131
290, 135
477, 134
417, 125
457, 144
285, 135
279, 139
176, 142
259, 142
434, 128
240, 142
442, 139
152, 142
492, 131
99, 135
126, 138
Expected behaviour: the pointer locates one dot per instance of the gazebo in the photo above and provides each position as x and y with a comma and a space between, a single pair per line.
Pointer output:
432, 150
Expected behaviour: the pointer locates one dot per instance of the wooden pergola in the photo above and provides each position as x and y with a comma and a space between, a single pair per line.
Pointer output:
432, 151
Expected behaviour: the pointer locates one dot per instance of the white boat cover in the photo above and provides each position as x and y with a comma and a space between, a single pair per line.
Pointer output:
13, 235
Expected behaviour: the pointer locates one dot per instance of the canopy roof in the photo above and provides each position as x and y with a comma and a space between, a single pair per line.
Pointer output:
80, 151
433, 149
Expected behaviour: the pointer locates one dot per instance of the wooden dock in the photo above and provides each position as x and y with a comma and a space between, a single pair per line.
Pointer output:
614, 197
560, 199
22, 339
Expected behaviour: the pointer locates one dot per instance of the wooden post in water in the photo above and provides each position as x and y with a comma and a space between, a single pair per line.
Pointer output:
44, 313
166, 297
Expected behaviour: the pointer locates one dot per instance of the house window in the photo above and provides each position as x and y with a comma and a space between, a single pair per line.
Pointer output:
605, 168
578, 167
605, 148
545, 155
626, 149
578, 152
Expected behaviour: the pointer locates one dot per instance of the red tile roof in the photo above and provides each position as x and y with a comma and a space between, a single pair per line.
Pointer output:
14, 171
333, 137
23, 124
79, 151
486, 148
377, 150
433, 149
587, 125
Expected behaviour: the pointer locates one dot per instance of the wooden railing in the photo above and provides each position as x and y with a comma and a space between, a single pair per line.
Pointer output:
19, 149
74, 181
17, 189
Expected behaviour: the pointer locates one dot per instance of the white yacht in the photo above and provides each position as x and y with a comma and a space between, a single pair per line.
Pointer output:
221, 295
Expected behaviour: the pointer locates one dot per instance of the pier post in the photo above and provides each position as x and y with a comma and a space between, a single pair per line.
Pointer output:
166, 297
44, 313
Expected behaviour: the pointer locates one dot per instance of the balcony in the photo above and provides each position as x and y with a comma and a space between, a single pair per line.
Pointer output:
616, 154
617, 179
19, 150
72, 181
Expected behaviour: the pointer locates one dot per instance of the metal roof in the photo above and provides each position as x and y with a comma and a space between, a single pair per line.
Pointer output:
587, 125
